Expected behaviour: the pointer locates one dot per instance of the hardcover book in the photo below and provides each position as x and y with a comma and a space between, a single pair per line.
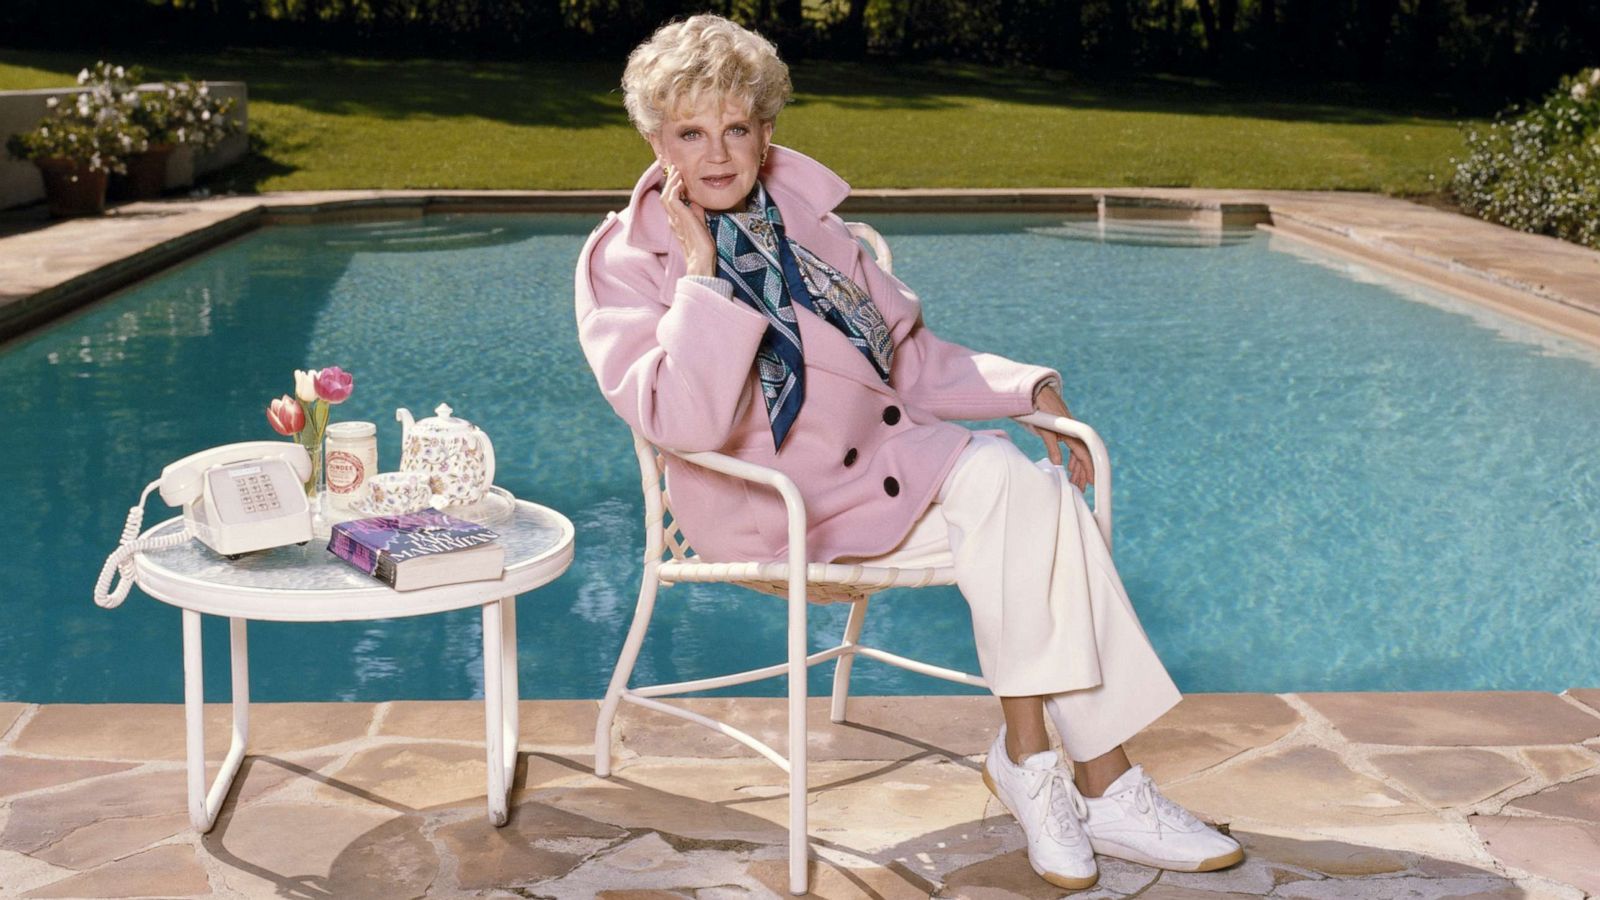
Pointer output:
418, 550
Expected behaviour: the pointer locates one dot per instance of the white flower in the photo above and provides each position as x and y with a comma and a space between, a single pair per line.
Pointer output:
1594, 76
205, 90
1580, 92
83, 76
52, 102
119, 71
305, 384
205, 116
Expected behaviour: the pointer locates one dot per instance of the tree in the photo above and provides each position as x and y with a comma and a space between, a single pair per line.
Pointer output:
1218, 21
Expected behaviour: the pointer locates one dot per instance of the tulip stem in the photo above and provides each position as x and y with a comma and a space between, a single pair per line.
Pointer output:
311, 438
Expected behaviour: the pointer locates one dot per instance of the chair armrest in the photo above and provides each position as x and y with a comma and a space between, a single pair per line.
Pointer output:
1097, 455
793, 503
748, 471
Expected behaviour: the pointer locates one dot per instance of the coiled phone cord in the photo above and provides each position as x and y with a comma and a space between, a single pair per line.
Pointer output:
121, 560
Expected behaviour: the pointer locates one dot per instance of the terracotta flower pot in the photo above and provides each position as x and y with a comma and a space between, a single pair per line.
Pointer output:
147, 175
71, 189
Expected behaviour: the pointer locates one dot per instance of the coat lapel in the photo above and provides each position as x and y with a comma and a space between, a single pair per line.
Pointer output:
806, 192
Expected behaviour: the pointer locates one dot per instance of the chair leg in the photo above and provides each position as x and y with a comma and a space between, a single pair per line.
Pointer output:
624, 670
799, 831
841, 669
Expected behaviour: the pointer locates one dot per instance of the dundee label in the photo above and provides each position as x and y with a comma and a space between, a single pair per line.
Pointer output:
345, 472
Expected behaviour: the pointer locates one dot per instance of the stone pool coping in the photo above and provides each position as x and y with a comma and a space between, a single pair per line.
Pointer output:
1366, 795
49, 269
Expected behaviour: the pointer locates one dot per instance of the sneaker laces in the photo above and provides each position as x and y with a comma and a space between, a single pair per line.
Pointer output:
1146, 797
1065, 803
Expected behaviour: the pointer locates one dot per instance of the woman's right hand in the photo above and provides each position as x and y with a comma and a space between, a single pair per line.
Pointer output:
688, 221
1078, 464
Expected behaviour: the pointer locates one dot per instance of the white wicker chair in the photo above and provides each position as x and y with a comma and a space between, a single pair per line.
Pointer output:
668, 559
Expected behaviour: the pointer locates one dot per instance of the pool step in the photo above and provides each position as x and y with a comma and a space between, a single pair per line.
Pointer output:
409, 237
1147, 233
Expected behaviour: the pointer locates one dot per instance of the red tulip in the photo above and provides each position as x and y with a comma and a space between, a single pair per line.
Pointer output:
334, 384
285, 416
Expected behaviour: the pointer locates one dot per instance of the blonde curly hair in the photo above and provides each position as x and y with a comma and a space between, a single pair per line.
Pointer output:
704, 55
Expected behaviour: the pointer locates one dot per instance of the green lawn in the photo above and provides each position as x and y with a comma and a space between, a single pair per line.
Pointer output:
347, 122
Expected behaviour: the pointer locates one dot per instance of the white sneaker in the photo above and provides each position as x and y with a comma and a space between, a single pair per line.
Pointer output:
1136, 822
1040, 793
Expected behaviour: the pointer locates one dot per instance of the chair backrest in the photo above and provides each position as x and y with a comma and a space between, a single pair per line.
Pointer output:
874, 241
662, 538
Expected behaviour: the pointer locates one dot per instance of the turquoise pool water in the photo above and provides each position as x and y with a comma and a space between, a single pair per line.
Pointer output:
1325, 479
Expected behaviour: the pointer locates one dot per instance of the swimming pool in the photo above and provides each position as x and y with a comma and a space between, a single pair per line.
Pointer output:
1327, 479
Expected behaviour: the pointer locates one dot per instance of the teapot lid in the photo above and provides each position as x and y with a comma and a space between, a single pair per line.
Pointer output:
443, 421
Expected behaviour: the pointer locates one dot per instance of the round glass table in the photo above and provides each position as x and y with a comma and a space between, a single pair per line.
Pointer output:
306, 583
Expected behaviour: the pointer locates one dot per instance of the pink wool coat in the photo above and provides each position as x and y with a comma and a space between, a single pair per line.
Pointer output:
674, 359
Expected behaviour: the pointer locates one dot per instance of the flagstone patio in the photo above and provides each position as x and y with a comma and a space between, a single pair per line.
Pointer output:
1334, 796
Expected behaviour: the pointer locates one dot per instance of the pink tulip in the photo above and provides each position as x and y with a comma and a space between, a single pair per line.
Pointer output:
285, 416
334, 384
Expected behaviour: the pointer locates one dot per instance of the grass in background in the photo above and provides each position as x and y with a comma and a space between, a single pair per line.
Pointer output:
344, 122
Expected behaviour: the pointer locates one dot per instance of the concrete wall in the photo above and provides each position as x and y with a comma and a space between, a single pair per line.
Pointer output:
20, 183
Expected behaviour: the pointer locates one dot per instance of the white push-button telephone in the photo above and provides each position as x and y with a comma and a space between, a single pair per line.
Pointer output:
236, 499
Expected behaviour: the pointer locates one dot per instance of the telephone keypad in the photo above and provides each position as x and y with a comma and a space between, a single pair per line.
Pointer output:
258, 493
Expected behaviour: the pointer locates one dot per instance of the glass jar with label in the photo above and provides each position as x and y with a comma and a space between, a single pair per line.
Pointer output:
351, 458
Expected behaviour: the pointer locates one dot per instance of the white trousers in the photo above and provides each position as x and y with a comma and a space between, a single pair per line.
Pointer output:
1049, 613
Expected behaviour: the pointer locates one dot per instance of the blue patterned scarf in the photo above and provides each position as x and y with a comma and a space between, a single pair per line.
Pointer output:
770, 272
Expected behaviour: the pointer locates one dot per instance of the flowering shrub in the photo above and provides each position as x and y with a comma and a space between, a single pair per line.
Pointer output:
95, 128
108, 120
184, 112
1539, 171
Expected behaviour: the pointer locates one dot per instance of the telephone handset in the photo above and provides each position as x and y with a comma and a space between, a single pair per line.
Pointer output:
236, 498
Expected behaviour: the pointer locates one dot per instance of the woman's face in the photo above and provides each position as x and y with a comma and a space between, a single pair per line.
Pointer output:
717, 146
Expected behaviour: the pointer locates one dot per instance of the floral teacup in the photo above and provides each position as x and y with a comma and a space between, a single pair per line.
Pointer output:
395, 494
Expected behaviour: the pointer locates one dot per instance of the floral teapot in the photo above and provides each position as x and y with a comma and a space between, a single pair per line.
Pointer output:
455, 454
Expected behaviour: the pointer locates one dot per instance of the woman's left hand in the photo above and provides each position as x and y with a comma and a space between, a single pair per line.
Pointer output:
1079, 467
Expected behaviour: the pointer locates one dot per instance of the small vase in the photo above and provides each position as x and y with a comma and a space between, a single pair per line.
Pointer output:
317, 498
147, 175
71, 189
313, 484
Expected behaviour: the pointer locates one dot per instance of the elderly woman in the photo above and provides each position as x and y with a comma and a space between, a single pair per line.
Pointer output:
728, 308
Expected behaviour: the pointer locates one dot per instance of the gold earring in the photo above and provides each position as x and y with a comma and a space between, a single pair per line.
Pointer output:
764, 153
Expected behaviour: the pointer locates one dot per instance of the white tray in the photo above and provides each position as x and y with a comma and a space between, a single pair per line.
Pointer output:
498, 505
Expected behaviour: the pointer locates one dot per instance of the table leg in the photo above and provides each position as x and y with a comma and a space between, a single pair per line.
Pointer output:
494, 711
204, 804
510, 693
